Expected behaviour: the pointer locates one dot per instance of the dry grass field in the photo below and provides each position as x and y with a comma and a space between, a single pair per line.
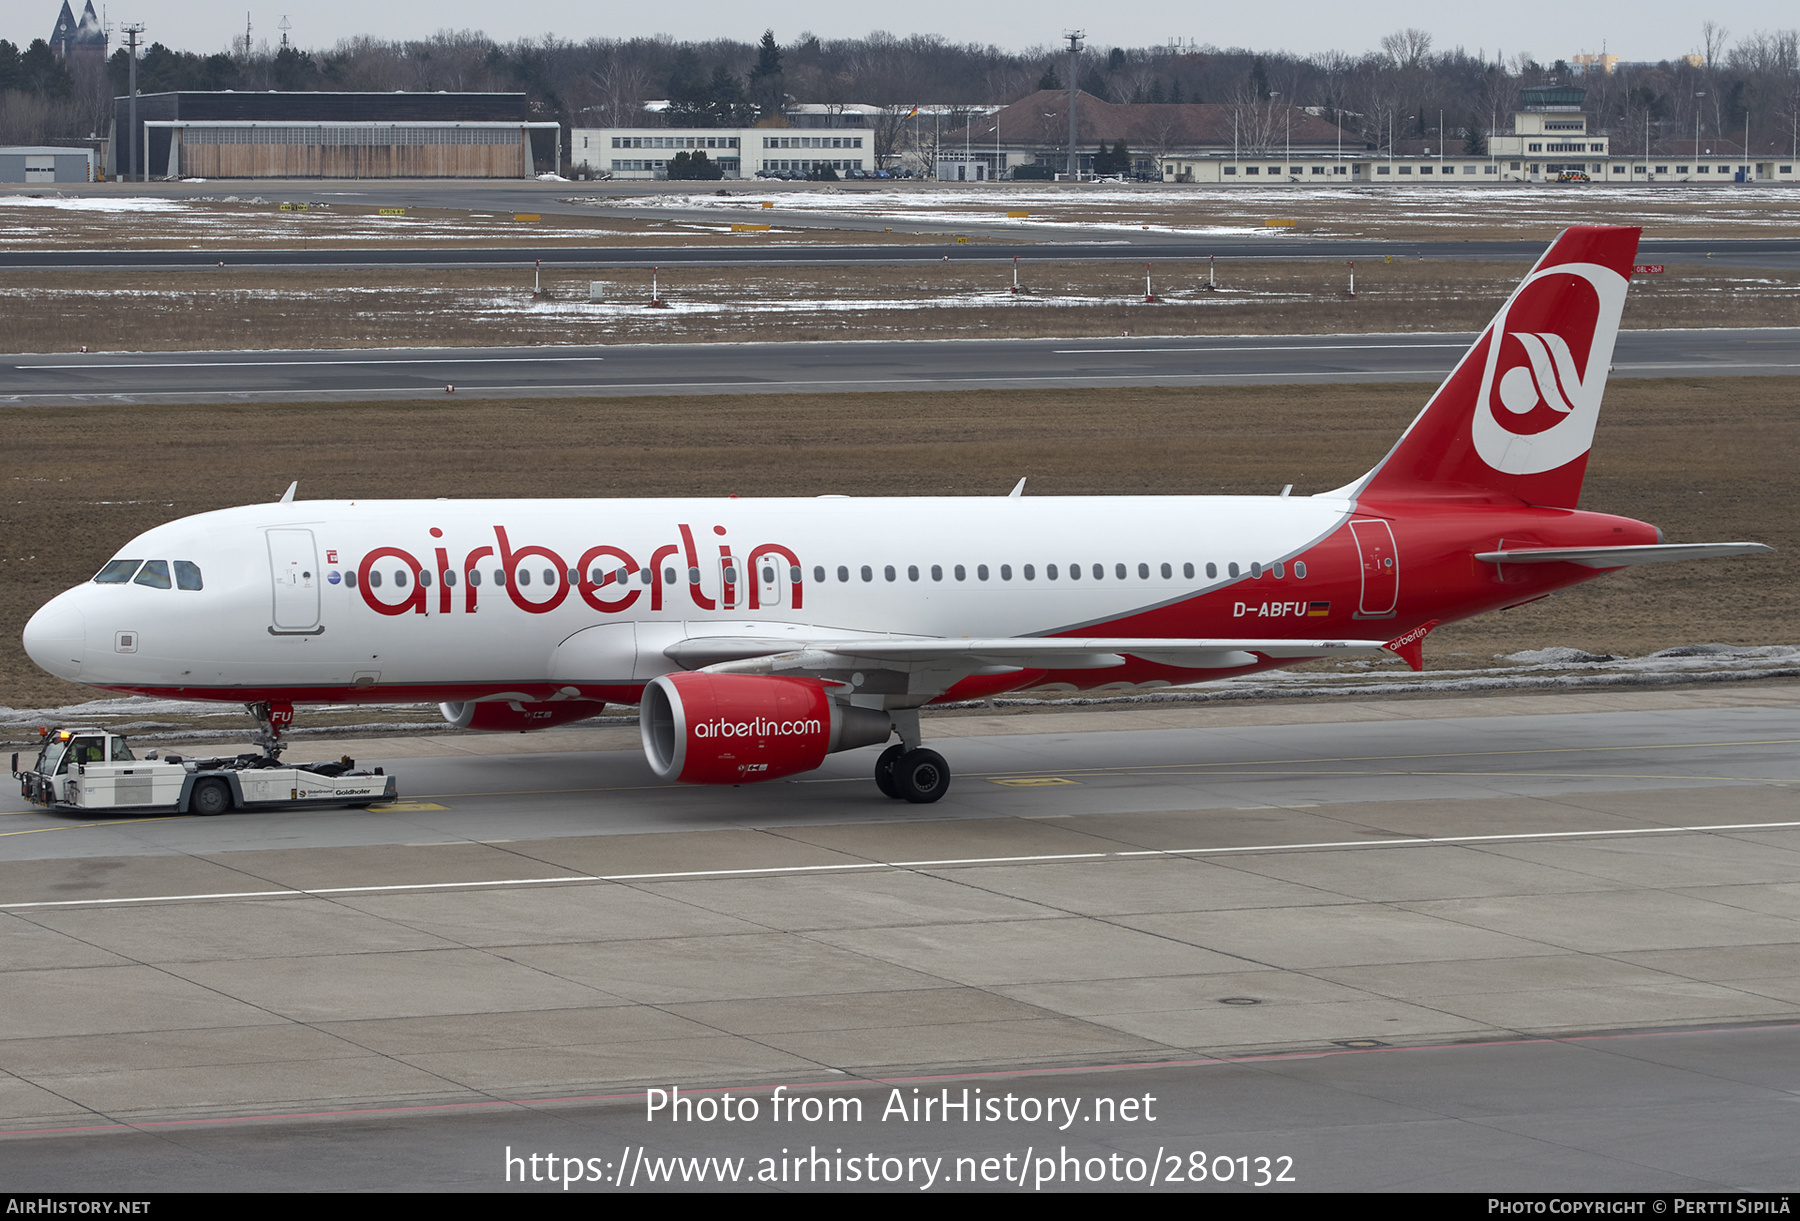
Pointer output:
1442, 211
248, 215
1705, 459
249, 308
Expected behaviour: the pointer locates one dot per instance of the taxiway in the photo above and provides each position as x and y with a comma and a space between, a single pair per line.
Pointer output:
634, 369
1557, 932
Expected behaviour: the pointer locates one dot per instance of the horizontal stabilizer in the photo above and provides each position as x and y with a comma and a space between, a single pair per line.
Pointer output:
1623, 557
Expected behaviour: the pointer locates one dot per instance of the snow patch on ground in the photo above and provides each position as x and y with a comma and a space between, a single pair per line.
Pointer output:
1555, 656
93, 204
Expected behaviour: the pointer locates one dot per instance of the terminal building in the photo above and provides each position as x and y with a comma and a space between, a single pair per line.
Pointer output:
228, 134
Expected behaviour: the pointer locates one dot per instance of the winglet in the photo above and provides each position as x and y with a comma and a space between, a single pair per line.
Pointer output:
1410, 646
1018, 489
287, 497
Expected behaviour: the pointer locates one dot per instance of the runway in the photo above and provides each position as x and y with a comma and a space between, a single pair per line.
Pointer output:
833, 367
1527, 942
988, 245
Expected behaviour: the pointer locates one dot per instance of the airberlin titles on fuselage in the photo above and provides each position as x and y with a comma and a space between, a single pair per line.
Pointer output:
601, 576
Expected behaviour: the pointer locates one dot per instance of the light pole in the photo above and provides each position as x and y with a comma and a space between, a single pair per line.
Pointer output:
1698, 105
131, 37
1074, 37
1275, 100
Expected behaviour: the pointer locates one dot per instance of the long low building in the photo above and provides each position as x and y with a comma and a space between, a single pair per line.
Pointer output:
741, 152
1370, 169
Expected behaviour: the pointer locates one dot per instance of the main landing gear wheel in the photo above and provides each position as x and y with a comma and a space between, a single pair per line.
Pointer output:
884, 770
921, 776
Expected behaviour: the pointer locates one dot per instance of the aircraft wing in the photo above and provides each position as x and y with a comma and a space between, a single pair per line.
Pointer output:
971, 655
1622, 557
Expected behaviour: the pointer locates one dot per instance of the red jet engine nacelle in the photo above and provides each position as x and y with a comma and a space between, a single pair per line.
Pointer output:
742, 728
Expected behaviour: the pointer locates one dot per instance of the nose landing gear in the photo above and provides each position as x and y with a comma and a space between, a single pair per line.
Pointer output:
270, 720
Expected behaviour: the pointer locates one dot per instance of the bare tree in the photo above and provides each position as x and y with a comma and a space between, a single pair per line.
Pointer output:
1407, 48
1162, 134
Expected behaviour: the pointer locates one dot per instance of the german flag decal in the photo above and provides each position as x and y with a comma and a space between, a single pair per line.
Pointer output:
1316, 609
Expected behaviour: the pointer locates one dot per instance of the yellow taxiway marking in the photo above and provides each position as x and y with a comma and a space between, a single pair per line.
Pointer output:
406, 807
77, 826
1030, 782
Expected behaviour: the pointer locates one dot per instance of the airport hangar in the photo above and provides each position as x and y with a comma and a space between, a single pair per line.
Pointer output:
227, 134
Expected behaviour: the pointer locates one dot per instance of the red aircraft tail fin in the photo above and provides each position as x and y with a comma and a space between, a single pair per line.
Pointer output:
1515, 420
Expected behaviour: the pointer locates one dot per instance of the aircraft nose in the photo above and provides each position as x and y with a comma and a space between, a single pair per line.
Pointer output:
56, 637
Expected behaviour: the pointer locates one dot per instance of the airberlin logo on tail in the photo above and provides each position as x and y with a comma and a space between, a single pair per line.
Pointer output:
1547, 357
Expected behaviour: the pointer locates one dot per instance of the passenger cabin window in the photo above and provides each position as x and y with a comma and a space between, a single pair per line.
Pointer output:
117, 572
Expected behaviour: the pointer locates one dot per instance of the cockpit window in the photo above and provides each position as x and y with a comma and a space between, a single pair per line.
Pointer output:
187, 575
116, 572
155, 574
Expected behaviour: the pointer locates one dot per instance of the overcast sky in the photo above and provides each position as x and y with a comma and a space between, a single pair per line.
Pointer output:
1634, 29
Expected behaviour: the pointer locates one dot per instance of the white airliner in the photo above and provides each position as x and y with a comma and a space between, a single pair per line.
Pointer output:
759, 635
